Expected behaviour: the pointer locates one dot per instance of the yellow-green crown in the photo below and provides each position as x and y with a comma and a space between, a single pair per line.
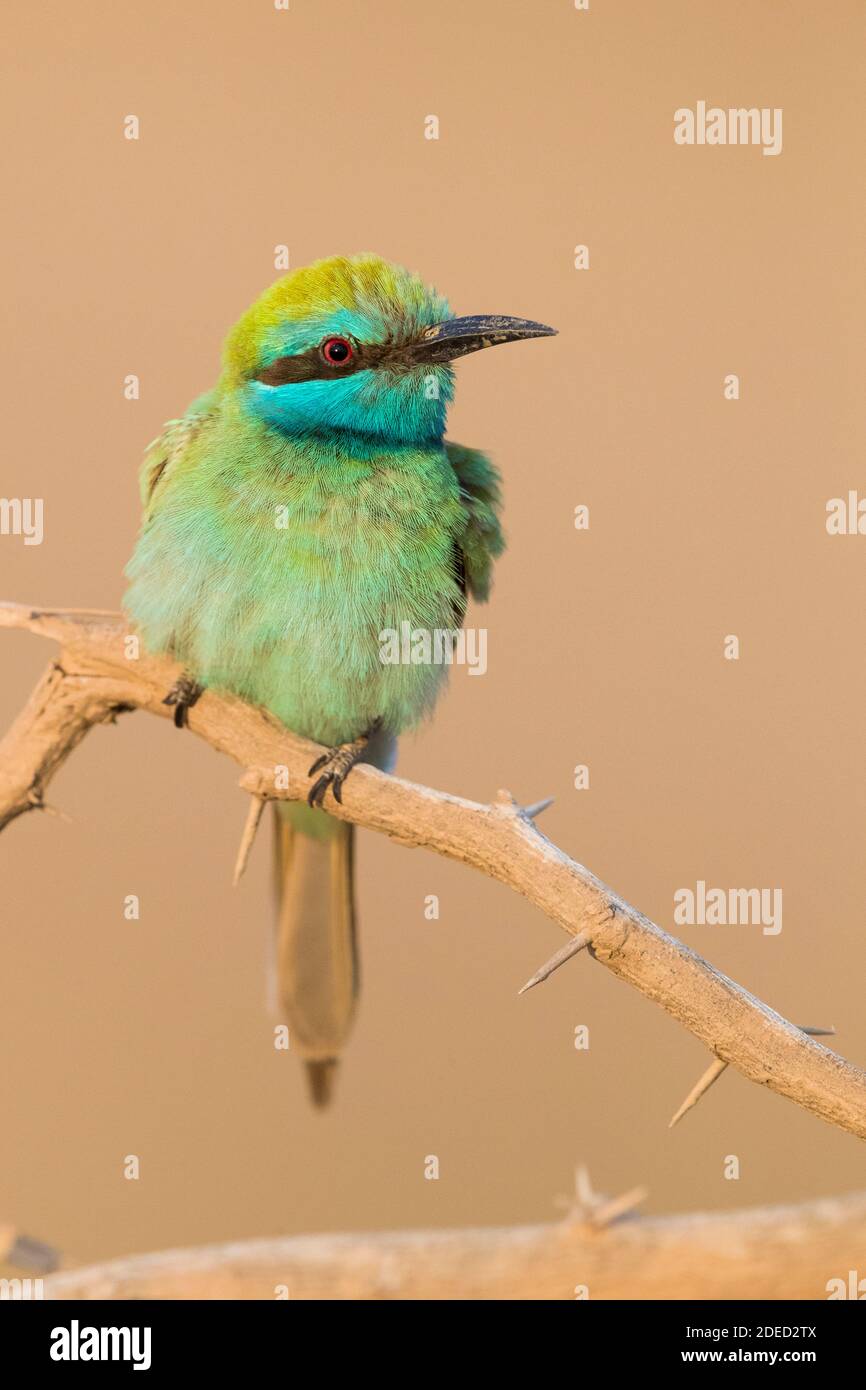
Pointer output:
386, 297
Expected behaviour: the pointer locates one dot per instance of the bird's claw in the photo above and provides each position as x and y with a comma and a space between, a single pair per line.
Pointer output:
338, 763
335, 764
183, 695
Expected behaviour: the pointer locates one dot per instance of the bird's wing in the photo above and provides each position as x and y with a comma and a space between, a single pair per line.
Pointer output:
164, 452
480, 540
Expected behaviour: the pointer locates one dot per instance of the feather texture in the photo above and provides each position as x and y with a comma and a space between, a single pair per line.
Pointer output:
287, 528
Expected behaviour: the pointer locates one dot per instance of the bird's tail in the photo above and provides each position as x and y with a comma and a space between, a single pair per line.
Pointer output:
316, 957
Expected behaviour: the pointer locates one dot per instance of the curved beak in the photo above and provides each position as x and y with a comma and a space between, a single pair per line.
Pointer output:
456, 337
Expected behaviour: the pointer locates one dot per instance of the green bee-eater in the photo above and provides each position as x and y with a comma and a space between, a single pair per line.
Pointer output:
304, 506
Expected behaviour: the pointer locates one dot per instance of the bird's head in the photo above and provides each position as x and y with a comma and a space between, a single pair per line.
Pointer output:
356, 345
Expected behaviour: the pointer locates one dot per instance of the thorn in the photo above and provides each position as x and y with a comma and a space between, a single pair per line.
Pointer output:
714, 1071
505, 799
584, 1195
35, 799
611, 1211
537, 807
594, 1210
712, 1074
571, 948
254, 815
583, 1200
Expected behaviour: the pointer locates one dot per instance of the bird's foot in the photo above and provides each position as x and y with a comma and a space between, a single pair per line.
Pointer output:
183, 695
336, 764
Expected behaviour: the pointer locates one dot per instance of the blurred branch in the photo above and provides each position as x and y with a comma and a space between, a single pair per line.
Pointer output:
96, 678
772, 1253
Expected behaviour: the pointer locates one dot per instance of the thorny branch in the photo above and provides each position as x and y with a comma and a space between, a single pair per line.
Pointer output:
98, 675
599, 1251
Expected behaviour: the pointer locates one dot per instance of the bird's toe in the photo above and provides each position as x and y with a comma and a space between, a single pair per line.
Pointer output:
316, 794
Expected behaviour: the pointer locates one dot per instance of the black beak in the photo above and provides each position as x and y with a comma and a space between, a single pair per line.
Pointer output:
441, 343
456, 337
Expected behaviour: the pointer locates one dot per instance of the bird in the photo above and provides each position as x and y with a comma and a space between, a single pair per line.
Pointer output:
306, 504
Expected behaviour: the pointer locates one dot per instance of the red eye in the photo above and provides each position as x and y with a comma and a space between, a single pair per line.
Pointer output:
337, 351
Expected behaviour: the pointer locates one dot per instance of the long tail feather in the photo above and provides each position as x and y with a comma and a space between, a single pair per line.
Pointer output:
316, 958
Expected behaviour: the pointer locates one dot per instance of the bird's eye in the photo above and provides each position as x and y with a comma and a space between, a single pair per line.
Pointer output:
337, 351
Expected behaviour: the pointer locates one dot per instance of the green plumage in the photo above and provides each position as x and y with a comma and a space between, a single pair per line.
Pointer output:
286, 526
269, 565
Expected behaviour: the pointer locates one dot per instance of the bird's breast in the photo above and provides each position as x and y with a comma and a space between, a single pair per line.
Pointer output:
291, 581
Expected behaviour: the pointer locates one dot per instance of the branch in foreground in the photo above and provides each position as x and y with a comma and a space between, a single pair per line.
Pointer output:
774, 1253
94, 680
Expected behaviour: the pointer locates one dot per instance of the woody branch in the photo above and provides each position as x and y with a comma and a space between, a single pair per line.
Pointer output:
95, 678
802, 1252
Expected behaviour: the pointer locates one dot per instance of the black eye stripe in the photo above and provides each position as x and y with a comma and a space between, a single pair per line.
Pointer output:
313, 366
302, 367
305, 366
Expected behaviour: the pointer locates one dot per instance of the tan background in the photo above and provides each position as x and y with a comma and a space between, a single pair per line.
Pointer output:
258, 128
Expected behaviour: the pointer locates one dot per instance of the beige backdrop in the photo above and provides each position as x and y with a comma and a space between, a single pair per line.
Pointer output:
707, 518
